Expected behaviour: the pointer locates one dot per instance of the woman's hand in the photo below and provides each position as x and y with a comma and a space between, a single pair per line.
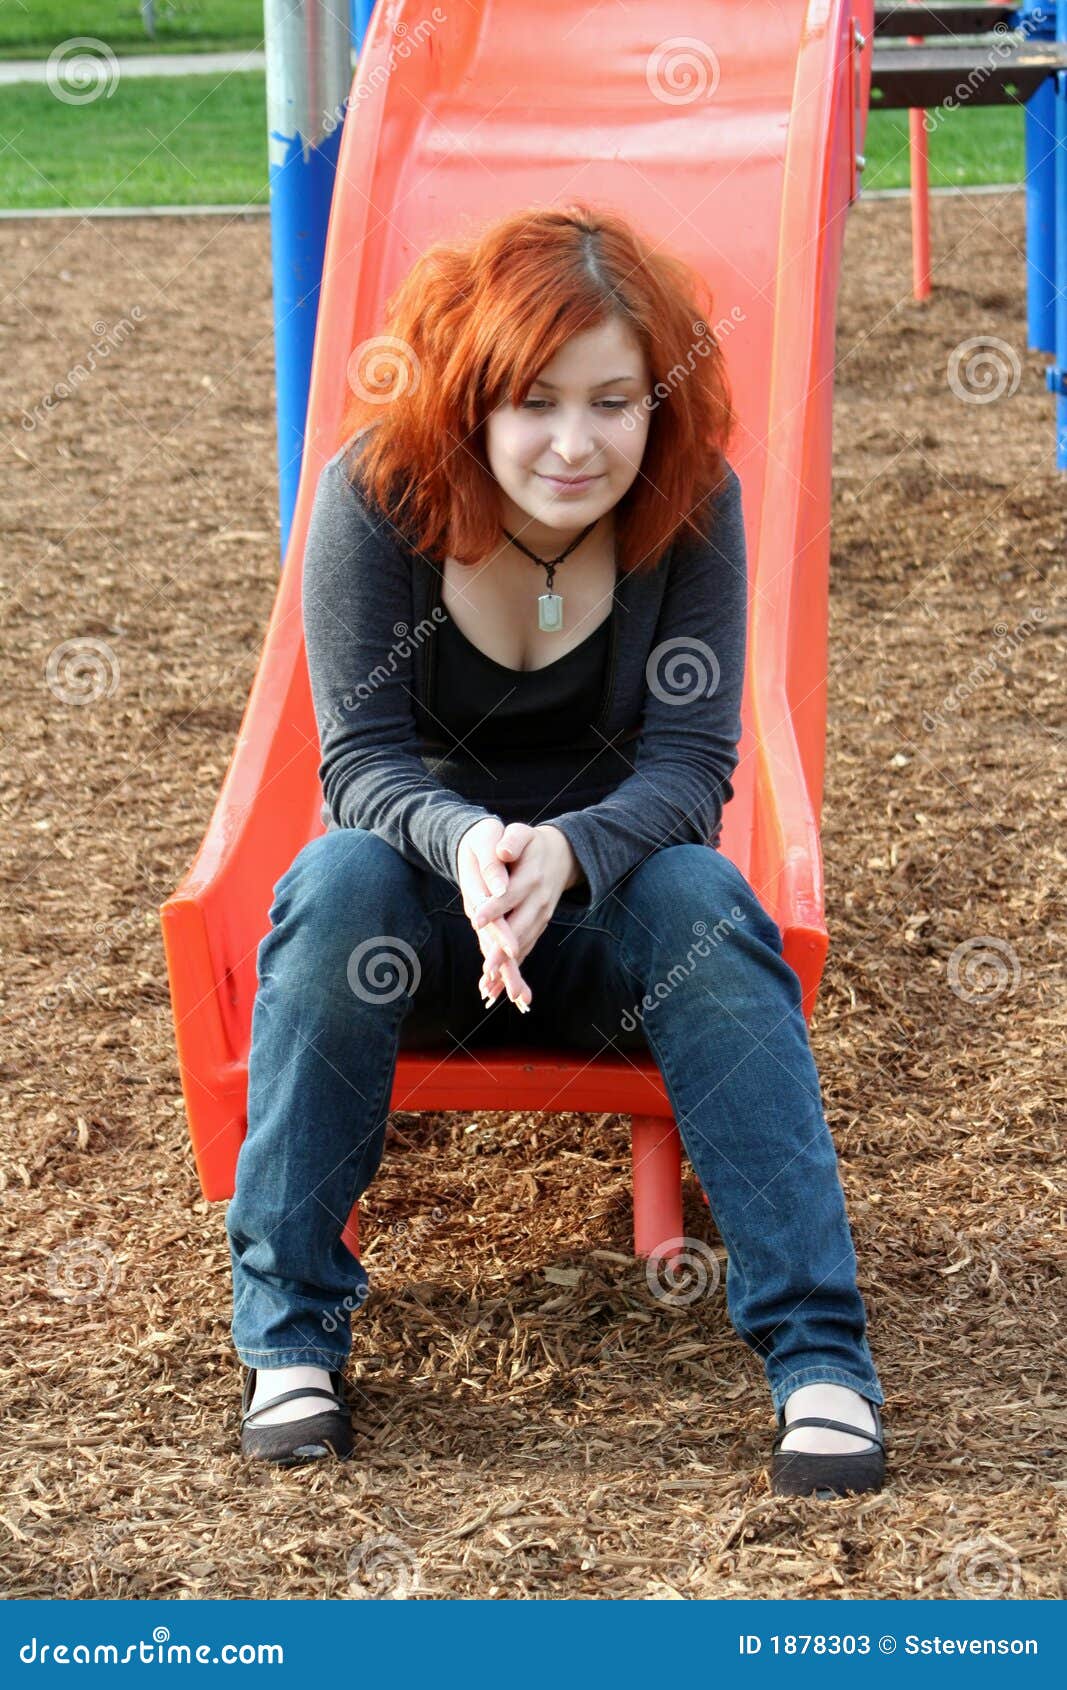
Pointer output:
544, 866
484, 877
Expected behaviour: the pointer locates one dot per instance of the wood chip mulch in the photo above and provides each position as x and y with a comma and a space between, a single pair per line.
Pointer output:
534, 1421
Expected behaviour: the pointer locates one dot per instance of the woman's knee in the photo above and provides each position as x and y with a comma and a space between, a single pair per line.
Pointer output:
348, 918
344, 877
697, 892
694, 923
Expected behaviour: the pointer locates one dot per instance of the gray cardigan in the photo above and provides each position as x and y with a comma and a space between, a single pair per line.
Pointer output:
669, 726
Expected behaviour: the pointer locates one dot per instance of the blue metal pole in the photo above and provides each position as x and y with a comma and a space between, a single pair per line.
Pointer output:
1057, 375
308, 79
1038, 19
361, 11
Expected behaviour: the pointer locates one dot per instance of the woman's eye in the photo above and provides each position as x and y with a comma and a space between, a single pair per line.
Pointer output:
608, 404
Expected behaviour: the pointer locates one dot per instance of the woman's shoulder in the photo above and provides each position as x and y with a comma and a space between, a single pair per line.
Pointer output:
343, 478
342, 496
352, 548
714, 534
344, 464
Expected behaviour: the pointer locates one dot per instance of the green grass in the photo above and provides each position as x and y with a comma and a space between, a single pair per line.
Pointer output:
196, 140
183, 140
965, 147
29, 29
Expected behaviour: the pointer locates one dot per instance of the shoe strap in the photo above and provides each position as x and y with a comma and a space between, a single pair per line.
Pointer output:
291, 1396
835, 1426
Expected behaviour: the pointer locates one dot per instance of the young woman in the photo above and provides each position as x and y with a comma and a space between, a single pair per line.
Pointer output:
524, 600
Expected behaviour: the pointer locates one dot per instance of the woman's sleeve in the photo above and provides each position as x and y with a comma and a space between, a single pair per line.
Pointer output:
691, 725
357, 602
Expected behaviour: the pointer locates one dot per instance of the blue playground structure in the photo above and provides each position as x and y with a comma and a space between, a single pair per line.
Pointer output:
1046, 210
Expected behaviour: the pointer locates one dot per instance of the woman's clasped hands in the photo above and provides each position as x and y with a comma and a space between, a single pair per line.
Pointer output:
511, 879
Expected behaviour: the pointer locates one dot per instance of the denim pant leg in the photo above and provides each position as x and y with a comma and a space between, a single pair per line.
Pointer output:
721, 1011
366, 952
351, 944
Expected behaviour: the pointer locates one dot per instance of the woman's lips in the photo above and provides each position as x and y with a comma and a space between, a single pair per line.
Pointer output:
575, 486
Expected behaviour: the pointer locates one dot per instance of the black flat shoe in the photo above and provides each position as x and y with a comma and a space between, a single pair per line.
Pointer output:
800, 1472
313, 1438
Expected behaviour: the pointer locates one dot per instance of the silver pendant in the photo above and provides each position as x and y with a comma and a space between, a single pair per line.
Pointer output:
550, 612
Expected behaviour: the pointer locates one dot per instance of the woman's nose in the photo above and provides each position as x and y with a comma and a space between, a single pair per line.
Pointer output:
574, 440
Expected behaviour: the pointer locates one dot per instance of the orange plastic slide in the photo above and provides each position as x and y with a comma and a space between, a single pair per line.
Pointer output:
728, 132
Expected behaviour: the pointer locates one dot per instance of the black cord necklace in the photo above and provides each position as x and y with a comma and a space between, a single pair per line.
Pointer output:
550, 604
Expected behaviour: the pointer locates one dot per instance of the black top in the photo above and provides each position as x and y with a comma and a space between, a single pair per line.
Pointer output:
486, 706
526, 734
661, 753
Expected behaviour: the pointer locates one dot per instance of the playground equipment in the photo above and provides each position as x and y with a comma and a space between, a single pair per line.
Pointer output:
309, 45
308, 78
735, 147
1018, 58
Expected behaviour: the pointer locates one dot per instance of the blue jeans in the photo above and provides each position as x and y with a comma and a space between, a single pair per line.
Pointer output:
367, 954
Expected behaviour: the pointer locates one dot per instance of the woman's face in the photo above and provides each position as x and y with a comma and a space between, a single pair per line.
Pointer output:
582, 417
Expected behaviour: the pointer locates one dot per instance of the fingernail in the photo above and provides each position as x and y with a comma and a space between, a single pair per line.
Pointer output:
520, 1003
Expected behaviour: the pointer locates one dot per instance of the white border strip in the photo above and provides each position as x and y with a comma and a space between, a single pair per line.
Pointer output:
87, 211
980, 188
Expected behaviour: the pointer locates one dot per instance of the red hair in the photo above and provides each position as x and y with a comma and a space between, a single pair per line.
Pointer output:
470, 328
